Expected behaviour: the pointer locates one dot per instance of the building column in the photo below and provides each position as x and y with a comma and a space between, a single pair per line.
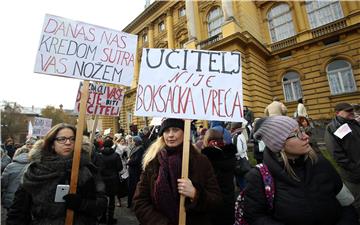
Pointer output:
227, 7
299, 16
190, 16
151, 35
170, 29
136, 67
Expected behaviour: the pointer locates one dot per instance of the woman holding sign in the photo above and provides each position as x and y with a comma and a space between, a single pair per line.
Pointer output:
42, 197
157, 196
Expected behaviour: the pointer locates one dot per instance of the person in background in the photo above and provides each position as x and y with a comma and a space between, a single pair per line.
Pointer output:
110, 167
135, 166
301, 178
10, 178
122, 149
342, 139
5, 159
200, 140
249, 117
300, 109
259, 146
157, 195
220, 126
304, 124
50, 165
276, 108
222, 158
9, 147
357, 112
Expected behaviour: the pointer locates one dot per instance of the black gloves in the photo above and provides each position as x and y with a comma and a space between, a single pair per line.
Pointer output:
72, 201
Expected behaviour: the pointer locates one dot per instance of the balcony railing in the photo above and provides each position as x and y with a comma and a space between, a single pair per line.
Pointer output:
329, 28
283, 44
209, 41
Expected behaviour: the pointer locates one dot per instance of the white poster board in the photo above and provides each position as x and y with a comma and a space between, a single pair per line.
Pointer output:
41, 126
190, 84
103, 100
84, 51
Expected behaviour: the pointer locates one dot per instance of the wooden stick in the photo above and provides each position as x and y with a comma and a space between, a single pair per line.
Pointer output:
92, 135
77, 150
185, 169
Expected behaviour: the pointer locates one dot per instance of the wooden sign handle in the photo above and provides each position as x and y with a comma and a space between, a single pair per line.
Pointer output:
77, 150
185, 169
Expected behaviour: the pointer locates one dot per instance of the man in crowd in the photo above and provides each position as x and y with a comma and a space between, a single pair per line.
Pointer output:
276, 108
342, 138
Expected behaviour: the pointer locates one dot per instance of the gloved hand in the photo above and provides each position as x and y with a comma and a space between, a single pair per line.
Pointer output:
72, 201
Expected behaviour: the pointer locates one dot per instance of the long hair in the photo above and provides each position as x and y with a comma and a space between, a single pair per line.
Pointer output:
153, 150
289, 170
51, 135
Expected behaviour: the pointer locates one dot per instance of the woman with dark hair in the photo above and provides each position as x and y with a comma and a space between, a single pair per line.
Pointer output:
307, 187
304, 125
157, 195
50, 165
222, 158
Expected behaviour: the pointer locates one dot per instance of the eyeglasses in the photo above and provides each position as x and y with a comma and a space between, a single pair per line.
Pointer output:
300, 134
62, 140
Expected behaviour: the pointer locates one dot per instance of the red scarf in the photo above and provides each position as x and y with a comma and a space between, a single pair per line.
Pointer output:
166, 195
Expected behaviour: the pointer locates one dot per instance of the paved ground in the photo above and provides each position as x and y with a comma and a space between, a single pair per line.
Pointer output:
124, 215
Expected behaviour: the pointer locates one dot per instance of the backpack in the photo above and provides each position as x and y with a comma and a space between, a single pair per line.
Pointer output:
269, 188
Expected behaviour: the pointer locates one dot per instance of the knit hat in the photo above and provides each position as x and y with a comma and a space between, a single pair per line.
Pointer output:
275, 130
179, 123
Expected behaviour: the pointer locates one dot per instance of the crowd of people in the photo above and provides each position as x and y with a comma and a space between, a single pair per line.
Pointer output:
305, 188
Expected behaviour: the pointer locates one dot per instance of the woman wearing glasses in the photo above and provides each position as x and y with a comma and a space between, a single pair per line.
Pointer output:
305, 184
51, 163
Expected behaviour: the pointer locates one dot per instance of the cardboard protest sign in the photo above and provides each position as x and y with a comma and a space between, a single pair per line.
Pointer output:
190, 84
41, 126
84, 51
103, 100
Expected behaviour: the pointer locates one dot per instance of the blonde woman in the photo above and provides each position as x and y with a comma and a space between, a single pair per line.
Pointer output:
157, 196
306, 184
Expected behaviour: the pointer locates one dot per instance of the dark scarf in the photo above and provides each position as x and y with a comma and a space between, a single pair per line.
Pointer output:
42, 176
166, 196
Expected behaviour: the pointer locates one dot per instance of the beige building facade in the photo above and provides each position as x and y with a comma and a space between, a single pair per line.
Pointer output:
290, 49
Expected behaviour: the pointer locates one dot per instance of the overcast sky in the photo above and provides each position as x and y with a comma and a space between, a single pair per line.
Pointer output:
21, 23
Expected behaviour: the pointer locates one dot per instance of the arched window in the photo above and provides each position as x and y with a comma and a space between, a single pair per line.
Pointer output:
215, 20
291, 86
280, 23
323, 12
340, 76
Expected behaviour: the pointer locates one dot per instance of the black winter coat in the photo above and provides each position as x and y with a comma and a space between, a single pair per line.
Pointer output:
310, 201
135, 165
223, 162
110, 166
346, 151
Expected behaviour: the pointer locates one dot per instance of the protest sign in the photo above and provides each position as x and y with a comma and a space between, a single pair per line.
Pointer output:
84, 51
190, 84
103, 100
41, 126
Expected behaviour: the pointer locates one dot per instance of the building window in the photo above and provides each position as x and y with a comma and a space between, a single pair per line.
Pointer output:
340, 76
161, 26
292, 87
215, 20
280, 23
182, 12
145, 38
323, 12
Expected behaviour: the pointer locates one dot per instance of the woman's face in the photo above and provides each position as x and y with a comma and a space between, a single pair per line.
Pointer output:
297, 144
64, 142
122, 142
173, 136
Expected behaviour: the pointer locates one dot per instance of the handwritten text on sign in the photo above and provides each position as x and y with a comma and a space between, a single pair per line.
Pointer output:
103, 100
41, 126
190, 84
84, 51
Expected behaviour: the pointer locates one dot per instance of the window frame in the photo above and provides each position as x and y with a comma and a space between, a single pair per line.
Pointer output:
316, 12
182, 12
161, 26
287, 24
339, 73
220, 17
292, 83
